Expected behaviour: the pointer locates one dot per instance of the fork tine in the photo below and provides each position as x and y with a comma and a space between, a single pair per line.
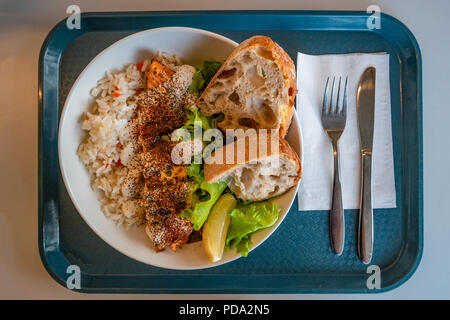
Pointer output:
344, 100
332, 106
338, 104
325, 98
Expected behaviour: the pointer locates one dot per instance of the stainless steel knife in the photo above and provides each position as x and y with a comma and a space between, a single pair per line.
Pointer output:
365, 106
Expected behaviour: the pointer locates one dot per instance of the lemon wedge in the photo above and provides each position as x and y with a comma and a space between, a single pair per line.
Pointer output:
216, 227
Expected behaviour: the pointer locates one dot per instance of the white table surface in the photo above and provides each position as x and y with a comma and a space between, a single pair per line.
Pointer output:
25, 24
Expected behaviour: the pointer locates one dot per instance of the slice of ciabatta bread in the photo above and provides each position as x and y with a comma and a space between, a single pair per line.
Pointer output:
257, 169
254, 88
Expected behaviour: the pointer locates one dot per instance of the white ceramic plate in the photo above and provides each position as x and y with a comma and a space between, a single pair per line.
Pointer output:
193, 46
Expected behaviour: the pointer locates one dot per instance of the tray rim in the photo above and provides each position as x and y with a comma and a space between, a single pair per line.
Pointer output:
43, 255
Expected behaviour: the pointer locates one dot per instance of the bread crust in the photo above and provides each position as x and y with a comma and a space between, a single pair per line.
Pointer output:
282, 59
215, 172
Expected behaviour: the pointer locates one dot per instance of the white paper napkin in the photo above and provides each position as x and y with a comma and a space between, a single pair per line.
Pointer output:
317, 177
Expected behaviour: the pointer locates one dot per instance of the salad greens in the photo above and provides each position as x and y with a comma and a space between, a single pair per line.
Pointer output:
203, 75
247, 218
195, 118
205, 195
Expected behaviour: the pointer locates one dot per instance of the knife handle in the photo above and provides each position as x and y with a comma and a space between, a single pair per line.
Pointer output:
365, 229
337, 222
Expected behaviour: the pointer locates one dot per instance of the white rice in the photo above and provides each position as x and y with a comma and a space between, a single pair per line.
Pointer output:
106, 126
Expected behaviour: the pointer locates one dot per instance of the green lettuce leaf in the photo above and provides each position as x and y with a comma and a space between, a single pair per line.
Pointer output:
206, 194
247, 218
203, 75
243, 247
198, 82
215, 119
196, 119
210, 68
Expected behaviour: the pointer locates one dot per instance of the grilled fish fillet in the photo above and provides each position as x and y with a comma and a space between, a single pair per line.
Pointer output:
163, 188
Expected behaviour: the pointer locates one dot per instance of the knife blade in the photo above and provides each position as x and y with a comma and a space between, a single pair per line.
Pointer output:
365, 107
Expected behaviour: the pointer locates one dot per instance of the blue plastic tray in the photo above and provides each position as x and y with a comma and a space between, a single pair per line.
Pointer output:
297, 258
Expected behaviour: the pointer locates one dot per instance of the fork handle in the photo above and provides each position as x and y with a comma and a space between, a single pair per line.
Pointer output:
337, 222
365, 229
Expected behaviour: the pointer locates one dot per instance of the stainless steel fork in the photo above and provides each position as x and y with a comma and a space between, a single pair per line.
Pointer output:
334, 116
